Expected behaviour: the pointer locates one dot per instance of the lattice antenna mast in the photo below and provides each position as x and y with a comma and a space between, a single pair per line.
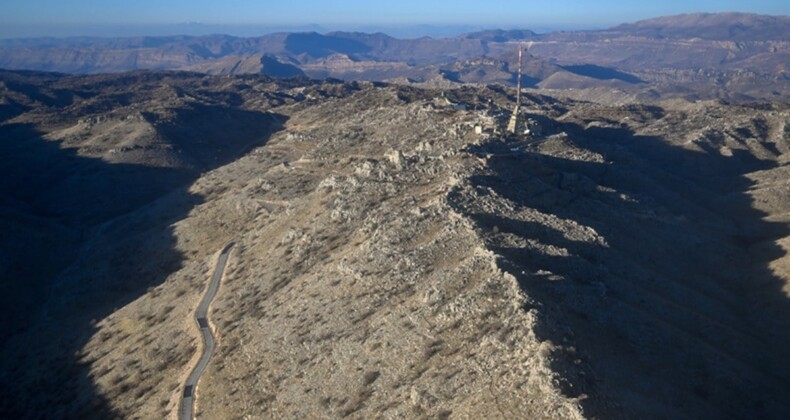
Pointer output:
520, 66
513, 124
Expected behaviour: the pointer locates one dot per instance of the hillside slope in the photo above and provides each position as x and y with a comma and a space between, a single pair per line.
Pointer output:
712, 26
698, 56
391, 262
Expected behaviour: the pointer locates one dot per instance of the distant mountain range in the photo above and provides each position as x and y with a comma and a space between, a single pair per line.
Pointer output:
749, 51
713, 26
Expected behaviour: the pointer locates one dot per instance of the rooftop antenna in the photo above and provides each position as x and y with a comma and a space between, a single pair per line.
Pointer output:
514, 119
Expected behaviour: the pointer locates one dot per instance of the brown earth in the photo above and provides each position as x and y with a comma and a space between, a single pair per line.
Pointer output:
389, 261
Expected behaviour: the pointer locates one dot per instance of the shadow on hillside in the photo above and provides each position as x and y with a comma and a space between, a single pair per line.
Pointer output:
474, 75
55, 203
602, 73
675, 314
320, 46
11, 109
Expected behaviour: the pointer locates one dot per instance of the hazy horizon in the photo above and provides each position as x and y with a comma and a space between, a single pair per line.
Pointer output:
406, 19
199, 29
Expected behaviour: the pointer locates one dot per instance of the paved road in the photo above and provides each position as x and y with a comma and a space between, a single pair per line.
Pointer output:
209, 344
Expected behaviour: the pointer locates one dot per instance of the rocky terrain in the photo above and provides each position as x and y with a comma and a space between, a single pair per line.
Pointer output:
627, 261
730, 56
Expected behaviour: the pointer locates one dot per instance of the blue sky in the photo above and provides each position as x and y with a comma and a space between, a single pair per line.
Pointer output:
55, 15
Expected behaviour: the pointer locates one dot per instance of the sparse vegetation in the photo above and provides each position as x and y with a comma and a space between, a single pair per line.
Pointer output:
401, 265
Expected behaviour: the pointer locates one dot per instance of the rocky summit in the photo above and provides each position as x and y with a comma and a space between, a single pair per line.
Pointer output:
394, 252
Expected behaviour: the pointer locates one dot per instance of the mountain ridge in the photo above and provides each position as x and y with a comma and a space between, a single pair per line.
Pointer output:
714, 26
391, 259
738, 53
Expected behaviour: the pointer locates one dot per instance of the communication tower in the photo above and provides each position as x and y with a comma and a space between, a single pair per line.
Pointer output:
515, 119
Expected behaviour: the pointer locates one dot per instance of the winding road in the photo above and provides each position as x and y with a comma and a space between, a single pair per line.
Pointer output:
209, 343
